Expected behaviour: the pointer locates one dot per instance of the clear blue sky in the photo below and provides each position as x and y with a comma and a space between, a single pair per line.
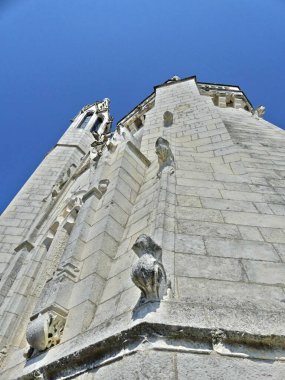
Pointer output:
58, 55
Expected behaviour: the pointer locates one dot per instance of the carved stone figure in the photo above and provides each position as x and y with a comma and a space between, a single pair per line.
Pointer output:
104, 105
123, 134
62, 181
45, 330
148, 273
99, 143
3, 354
38, 375
259, 111
218, 336
165, 156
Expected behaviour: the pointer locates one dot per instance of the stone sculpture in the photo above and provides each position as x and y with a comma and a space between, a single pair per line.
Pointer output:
61, 182
44, 331
148, 273
165, 156
259, 111
167, 119
99, 143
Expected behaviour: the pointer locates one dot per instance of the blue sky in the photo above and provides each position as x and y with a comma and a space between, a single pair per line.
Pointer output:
58, 55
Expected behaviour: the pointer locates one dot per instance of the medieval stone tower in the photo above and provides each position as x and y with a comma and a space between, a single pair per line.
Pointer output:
154, 252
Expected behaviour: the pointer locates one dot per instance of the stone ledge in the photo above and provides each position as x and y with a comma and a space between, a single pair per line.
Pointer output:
152, 336
138, 153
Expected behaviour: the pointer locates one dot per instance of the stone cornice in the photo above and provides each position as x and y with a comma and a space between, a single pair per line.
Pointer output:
157, 336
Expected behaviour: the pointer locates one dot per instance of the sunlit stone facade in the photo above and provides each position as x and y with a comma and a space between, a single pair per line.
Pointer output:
155, 251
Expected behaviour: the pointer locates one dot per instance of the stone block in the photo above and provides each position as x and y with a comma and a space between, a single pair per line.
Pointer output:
230, 294
208, 267
251, 219
122, 263
198, 191
242, 196
189, 244
227, 204
208, 229
253, 250
237, 186
128, 300
250, 233
222, 168
89, 288
201, 367
265, 272
190, 213
199, 183
140, 366
277, 209
105, 310
98, 263
273, 235
188, 200
78, 320
117, 284
280, 248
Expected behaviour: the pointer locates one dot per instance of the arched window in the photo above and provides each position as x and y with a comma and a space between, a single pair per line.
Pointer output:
85, 121
97, 124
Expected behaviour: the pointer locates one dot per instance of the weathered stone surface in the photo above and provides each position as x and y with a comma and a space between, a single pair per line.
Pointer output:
216, 367
241, 249
193, 181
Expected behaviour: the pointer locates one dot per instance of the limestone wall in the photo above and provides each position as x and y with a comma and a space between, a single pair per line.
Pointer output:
216, 215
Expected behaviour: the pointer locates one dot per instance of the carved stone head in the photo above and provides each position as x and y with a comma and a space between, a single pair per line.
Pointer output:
144, 244
162, 149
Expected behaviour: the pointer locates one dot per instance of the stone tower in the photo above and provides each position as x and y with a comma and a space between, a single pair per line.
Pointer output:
156, 251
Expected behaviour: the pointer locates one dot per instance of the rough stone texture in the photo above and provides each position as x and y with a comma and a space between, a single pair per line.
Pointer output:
216, 210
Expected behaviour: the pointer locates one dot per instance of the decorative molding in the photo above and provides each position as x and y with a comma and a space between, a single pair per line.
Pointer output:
60, 183
103, 106
165, 156
28, 246
159, 337
96, 149
68, 269
100, 106
148, 273
85, 108
138, 153
90, 193
103, 185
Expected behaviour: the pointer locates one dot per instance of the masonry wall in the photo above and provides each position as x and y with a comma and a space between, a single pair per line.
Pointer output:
19, 216
219, 219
